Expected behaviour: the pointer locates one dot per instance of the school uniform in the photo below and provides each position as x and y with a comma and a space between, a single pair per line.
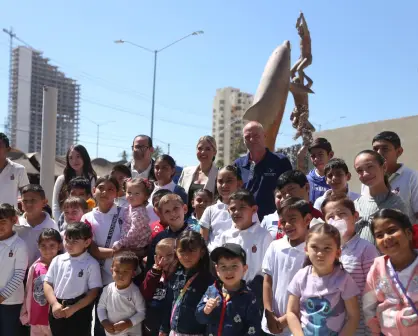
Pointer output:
71, 278
12, 178
271, 224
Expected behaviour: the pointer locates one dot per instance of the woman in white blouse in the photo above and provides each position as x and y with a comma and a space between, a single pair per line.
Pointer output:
204, 175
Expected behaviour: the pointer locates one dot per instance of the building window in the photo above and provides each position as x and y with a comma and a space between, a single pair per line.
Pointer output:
222, 101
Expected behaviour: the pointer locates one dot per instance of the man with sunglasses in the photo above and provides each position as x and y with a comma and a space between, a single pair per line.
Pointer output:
142, 164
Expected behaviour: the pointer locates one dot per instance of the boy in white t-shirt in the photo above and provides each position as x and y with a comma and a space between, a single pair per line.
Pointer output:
271, 222
283, 259
34, 219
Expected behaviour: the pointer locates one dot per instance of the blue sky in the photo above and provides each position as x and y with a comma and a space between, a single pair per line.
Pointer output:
365, 61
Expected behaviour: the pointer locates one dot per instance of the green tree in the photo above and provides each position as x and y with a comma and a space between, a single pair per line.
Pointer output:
124, 156
220, 163
157, 152
238, 148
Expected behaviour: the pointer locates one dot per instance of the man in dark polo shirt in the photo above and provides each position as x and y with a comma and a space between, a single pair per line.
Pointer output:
261, 168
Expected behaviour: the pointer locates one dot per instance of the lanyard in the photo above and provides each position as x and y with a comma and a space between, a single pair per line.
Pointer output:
396, 279
181, 295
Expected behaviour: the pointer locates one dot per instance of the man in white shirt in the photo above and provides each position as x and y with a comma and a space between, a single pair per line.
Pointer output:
142, 164
12, 175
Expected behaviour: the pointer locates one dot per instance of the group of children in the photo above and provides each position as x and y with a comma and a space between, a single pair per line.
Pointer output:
134, 257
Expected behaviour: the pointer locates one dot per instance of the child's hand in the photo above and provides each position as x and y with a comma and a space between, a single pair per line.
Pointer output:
122, 325
2, 299
108, 326
273, 323
57, 310
69, 311
211, 305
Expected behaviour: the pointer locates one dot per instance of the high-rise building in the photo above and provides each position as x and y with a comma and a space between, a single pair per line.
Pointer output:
29, 73
229, 106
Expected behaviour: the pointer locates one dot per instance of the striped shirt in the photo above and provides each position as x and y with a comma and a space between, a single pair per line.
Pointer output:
367, 206
357, 256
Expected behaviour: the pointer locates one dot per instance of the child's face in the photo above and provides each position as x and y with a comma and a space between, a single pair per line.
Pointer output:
105, 193
80, 192
189, 258
164, 256
173, 213
320, 158
122, 274
388, 151
369, 171
277, 198
322, 251
33, 203
391, 239
3, 150
337, 179
201, 201
241, 213
120, 177
49, 249
295, 190
227, 183
6, 227
230, 271
76, 161
76, 247
337, 211
73, 214
163, 172
295, 225
136, 195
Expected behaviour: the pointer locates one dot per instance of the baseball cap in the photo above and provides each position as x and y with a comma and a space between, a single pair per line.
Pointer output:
229, 248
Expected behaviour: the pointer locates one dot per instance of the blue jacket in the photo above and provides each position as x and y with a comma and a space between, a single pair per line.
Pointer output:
317, 186
239, 315
181, 317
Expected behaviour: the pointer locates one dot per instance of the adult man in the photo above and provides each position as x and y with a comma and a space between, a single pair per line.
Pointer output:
261, 168
12, 175
142, 164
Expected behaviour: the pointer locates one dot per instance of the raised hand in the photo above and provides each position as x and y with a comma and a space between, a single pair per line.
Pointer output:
211, 305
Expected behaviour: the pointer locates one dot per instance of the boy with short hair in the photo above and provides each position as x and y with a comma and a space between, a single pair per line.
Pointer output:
202, 198
158, 225
121, 307
72, 284
357, 254
172, 211
34, 219
403, 180
229, 307
271, 222
73, 209
320, 152
337, 176
121, 173
283, 259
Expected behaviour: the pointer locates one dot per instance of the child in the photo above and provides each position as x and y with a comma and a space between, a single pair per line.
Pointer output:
271, 222
73, 210
322, 293
14, 262
403, 180
171, 210
35, 307
154, 286
229, 307
187, 285
371, 169
202, 198
72, 283
157, 225
357, 255
121, 173
121, 307
136, 233
34, 220
337, 176
283, 259
249, 234
216, 218
320, 151
390, 298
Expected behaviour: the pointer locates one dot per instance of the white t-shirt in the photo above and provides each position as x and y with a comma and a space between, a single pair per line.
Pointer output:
12, 178
73, 276
282, 262
100, 223
14, 261
217, 220
255, 240
270, 223
30, 234
144, 174
116, 305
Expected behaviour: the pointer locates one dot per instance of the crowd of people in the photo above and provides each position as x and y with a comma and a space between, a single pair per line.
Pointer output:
257, 247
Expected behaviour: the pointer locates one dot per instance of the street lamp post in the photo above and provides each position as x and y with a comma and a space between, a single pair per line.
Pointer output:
155, 52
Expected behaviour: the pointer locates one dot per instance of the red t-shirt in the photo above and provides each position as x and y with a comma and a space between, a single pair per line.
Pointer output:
39, 304
156, 228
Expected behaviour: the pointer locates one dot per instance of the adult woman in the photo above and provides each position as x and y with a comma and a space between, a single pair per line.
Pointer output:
78, 164
204, 175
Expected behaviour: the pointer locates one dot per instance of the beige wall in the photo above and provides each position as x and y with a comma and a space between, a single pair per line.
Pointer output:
348, 141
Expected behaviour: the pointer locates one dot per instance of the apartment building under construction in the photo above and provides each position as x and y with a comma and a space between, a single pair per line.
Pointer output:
29, 73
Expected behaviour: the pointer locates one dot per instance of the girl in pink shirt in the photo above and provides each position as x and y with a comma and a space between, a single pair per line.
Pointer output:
35, 306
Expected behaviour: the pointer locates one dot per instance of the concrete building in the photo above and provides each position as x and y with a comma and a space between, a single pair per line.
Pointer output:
229, 106
348, 141
29, 72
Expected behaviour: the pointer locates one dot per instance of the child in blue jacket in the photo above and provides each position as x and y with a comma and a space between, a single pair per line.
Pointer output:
229, 307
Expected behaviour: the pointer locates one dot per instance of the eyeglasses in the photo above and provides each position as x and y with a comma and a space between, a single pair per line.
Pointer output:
141, 148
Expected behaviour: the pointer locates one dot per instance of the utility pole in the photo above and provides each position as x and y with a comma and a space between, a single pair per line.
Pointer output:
168, 147
12, 35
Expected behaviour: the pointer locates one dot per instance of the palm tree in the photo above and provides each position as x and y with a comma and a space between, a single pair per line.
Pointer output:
157, 152
124, 156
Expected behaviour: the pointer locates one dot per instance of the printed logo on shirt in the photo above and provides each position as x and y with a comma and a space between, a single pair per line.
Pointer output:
320, 188
159, 294
10, 254
12, 177
396, 191
254, 249
270, 172
38, 290
275, 223
81, 273
129, 298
